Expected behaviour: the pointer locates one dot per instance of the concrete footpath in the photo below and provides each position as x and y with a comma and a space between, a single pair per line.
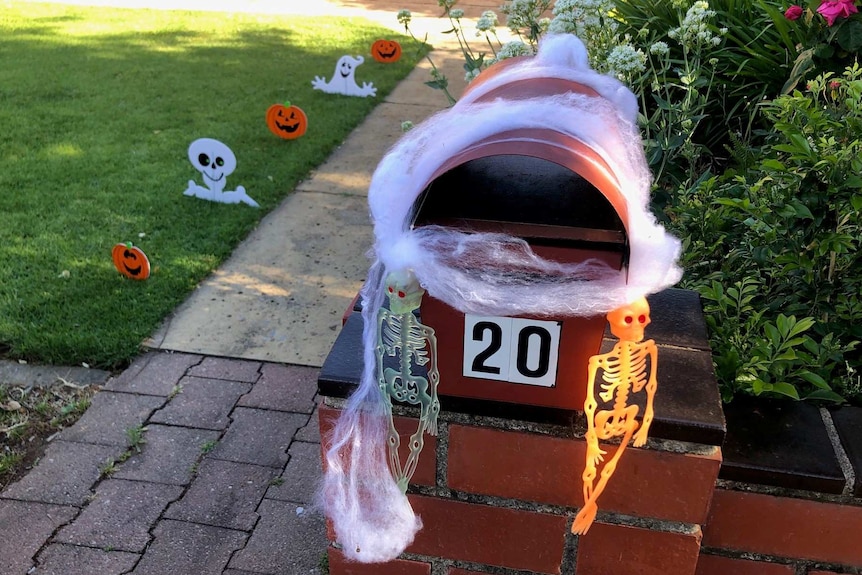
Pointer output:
223, 481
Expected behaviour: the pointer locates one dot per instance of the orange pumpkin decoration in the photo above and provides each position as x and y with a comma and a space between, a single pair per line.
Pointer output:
386, 51
131, 261
286, 121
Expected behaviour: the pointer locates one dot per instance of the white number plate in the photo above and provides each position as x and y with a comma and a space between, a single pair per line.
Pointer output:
512, 349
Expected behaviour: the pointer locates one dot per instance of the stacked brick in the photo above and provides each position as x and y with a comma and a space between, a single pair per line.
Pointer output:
492, 497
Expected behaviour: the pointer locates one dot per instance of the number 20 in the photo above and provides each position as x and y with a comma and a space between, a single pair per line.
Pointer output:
511, 349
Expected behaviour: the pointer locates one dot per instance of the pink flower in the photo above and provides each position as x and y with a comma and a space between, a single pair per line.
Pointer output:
832, 9
834, 84
793, 12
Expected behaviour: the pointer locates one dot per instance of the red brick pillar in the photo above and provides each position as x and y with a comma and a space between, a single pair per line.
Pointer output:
501, 484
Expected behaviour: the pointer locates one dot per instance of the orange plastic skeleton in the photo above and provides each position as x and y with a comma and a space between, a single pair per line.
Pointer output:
625, 370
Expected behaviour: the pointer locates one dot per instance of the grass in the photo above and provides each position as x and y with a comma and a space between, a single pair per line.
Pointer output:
98, 108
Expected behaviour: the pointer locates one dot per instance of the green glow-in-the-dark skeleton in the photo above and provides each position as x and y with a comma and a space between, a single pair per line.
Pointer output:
400, 334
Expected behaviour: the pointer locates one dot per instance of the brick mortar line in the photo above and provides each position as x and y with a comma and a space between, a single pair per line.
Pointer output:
609, 517
441, 566
816, 496
840, 453
35, 561
801, 565
570, 432
569, 564
263, 498
194, 466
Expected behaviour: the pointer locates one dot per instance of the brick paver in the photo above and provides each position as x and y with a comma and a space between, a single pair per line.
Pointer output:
270, 432
181, 547
283, 542
154, 373
73, 560
300, 478
109, 416
224, 494
285, 388
168, 456
25, 527
230, 369
120, 515
203, 403
65, 475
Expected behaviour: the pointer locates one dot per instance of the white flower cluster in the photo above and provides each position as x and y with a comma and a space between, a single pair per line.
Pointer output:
456, 13
512, 49
523, 13
582, 17
693, 31
625, 60
404, 17
659, 48
487, 22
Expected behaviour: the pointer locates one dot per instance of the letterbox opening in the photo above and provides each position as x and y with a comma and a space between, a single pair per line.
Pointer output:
545, 203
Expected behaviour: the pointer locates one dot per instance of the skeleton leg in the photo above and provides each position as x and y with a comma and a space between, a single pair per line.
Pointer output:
417, 442
587, 514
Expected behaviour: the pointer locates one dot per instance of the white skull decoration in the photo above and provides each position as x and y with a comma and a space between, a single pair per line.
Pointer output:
215, 161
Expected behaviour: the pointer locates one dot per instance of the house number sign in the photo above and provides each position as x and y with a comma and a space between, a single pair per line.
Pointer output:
511, 349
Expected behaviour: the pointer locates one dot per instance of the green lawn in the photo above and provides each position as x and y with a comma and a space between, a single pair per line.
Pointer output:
97, 109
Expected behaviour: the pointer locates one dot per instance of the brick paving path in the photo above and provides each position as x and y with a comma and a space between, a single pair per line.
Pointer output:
222, 485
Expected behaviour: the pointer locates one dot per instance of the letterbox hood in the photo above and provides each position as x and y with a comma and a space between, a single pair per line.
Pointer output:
601, 115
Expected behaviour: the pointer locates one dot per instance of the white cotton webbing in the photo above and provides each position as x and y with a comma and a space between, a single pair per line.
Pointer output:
372, 519
486, 274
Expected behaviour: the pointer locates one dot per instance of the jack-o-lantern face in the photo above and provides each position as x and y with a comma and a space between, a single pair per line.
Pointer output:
286, 121
386, 51
131, 261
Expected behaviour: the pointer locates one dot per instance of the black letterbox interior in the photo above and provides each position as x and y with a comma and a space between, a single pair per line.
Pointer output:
538, 200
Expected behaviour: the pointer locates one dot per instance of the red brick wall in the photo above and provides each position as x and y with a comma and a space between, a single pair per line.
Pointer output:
508, 497
788, 529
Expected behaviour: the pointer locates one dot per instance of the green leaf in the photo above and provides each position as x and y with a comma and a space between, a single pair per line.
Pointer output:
785, 388
772, 333
856, 202
800, 326
771, 164
824, 394
803, 63
814, 379
824, 51
850, 36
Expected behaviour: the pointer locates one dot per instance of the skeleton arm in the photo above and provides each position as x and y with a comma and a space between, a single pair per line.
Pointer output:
433, 378
594, 453
640, 437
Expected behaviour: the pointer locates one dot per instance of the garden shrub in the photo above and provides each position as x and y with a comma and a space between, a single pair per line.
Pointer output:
774, 249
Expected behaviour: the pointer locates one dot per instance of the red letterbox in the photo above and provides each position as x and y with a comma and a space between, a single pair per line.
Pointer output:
560, 196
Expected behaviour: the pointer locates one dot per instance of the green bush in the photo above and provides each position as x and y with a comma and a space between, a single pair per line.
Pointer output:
774, 248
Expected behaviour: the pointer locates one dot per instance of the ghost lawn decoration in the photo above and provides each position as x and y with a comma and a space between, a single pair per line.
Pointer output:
343, 79
560, 96
215, 161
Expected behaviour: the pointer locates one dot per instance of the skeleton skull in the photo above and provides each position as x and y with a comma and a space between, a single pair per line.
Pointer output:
628, 322
404, 291
214, 160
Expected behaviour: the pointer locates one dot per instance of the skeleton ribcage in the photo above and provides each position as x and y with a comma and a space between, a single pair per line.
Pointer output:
403, 333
